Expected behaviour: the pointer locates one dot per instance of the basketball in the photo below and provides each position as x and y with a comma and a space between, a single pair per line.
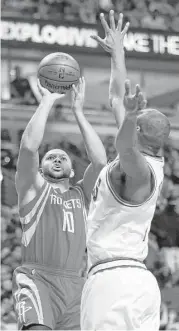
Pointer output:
57, 72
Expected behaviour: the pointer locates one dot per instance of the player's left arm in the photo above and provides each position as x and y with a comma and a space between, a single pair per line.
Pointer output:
94, 146
132, 161
113, 43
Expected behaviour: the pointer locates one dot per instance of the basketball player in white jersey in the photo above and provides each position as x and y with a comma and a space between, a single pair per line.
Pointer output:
120, 293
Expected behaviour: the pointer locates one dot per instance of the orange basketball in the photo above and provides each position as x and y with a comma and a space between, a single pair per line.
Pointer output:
57, 72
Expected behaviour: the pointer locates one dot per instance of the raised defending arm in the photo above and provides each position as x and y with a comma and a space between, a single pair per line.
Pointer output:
113, 44
118, 69
131, 160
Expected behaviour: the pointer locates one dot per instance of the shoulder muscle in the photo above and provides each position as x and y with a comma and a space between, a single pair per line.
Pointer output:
26, 190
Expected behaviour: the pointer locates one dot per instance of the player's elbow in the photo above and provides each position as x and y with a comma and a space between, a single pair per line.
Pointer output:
28, 144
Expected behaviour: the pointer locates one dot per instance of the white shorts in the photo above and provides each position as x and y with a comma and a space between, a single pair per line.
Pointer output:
121, 299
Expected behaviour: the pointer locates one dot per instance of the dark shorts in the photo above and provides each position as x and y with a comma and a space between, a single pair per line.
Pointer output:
43, 296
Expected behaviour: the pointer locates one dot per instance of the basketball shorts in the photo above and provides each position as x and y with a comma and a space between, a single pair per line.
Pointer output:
50, 298
121, 299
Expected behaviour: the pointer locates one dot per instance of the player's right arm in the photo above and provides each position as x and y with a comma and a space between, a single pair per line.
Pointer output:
132, 162
28, 179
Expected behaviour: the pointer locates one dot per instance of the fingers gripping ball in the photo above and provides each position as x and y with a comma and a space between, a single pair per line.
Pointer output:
58, 72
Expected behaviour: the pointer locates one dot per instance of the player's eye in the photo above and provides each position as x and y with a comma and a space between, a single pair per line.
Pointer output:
50, 157
64, 158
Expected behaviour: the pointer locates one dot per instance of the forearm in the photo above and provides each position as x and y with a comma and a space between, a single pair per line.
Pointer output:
116, 86
131, 160
127, 135
34, 132
118, 75
94, 146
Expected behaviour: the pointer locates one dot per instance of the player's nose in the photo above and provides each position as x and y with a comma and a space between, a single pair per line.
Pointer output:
57, 160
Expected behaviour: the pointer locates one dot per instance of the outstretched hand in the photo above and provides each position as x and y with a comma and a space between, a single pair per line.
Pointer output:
78, 95
46, 93
133, 103
113, 35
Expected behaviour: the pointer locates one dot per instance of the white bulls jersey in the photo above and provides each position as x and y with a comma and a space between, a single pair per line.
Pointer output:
117, 229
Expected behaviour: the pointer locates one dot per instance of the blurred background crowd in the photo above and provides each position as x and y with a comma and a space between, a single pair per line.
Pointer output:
157, 14
163, 257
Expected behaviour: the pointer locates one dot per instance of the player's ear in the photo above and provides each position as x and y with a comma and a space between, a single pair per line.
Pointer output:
41, 171
72, 173
138, 128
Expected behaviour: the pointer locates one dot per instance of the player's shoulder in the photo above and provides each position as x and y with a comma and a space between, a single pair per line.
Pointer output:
23, 186
156, 163
154, 159
77, 188
113, 165
112, 161
33, 198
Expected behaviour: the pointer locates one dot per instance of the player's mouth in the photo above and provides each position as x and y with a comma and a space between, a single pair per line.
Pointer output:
57, 168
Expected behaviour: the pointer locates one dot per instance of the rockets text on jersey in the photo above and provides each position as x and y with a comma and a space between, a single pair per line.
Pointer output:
53, 227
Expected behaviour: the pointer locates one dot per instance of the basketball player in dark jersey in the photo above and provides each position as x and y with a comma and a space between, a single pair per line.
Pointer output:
47, 286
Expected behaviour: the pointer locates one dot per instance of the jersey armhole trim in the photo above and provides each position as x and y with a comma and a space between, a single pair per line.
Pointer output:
122, 201
156, 158
27, 209
80, 191
79, 185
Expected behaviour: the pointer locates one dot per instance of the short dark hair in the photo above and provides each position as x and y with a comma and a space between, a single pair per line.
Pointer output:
155, 127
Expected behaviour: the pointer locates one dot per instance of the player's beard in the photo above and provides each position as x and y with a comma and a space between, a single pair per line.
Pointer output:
55, 178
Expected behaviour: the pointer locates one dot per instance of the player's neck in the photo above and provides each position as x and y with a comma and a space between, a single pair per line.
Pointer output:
63, 185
